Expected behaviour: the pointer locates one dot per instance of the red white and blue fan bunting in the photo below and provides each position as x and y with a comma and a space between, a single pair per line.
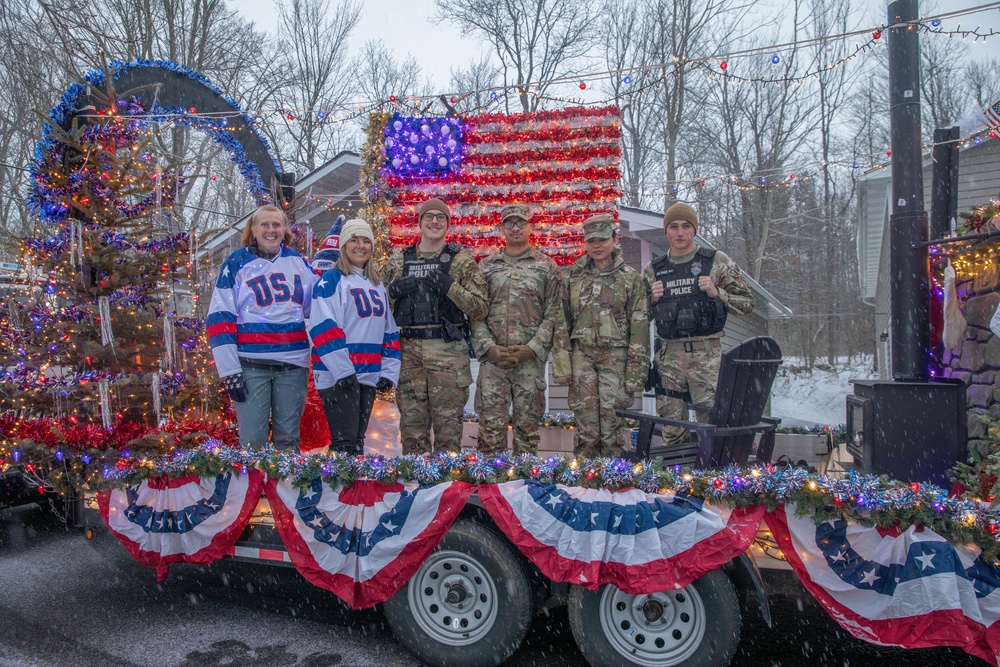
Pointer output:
189, 519
907, 588
639, 542
364, 541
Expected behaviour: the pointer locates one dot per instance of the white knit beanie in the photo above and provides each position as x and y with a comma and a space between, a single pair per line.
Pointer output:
356, 227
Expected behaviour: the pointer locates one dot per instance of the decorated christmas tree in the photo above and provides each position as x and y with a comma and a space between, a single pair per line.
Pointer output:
98, 333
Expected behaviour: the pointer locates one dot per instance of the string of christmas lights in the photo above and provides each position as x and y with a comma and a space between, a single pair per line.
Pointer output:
718, 66
869, 500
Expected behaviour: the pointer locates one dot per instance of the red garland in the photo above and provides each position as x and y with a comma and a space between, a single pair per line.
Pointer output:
314, 431
534, 197
404, 223
551, 134
540, 116
517, 177
549, 155
65, 433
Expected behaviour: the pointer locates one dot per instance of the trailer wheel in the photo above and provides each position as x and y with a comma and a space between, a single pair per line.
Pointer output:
469, 604
696, 626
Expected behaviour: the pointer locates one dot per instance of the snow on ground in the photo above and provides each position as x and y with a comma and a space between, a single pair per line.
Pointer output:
817, 396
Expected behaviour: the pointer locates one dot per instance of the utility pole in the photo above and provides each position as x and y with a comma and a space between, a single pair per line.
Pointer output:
909, 279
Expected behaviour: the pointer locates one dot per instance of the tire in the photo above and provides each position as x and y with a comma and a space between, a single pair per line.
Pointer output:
485, 622
696, 626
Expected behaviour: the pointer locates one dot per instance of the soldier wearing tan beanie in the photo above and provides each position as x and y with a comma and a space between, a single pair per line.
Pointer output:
691, 289
681, 211
435, 290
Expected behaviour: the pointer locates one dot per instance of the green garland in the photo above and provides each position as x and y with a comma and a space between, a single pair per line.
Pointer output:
868, 500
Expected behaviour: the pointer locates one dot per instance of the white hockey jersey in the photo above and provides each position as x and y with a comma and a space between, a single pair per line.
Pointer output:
352, 331
258, 310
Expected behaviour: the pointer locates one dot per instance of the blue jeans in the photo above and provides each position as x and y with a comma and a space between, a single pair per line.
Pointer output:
276, 398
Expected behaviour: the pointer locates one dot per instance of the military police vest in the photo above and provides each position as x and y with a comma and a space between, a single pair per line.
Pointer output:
684, 310
423, 307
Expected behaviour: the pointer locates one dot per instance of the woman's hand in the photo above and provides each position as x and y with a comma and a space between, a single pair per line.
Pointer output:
236, 387
351, 381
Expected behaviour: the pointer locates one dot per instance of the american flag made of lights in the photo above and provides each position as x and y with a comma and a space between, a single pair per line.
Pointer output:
564, 164
992, 114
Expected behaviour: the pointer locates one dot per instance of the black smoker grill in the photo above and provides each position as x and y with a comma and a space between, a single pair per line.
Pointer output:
911, 431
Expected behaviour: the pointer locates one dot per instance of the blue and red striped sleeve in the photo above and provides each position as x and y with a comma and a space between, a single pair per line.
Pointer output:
390, 346
329, 342
221, 321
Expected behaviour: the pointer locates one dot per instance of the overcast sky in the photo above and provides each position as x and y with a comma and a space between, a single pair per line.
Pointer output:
406, 28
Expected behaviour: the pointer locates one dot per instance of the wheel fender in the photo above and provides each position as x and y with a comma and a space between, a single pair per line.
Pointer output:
745, 573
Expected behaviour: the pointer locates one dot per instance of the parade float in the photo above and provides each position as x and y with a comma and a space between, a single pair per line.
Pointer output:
112, 404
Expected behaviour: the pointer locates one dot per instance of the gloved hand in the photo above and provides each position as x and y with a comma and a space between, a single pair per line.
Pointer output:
236, 387
400, 287
440, 282
347, 382
498, 354
383, 385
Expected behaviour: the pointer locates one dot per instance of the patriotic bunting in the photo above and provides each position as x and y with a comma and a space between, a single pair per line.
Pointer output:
910, 588
187, 519
364, 541
637, 541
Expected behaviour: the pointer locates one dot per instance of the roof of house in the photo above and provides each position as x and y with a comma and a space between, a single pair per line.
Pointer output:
327, 190
978, 181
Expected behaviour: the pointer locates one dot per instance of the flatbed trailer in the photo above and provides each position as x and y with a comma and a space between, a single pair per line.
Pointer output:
471, 602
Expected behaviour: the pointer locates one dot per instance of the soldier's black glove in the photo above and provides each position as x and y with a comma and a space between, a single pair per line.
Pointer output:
236, 387
348, 383
403, 286
383, 385
440, 282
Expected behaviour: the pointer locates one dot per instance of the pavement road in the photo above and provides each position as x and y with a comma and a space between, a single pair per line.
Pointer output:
65, 601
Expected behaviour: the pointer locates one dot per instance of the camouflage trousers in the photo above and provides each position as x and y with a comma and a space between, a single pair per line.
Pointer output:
696, 372
496, 391
434, 379
597, 390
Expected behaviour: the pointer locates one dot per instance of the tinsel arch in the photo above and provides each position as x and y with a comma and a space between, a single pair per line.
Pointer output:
157, 91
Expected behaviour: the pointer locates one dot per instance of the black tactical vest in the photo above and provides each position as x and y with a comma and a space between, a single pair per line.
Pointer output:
684, 310
423, 307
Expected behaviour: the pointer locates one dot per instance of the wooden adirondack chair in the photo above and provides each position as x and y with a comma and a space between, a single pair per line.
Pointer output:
746, 374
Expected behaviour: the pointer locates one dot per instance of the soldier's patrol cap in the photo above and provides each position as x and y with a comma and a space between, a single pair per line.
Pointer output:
515, 211
600, 226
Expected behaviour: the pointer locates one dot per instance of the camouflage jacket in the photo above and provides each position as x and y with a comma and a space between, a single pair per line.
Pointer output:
609, 308
468, 292
525, 296
733, 289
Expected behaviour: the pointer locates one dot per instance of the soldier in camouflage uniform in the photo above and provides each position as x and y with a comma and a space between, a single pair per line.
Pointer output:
434, 289
690, 290
609, 333
513, 342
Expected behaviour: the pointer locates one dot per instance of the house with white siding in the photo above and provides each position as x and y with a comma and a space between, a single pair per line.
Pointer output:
978, 182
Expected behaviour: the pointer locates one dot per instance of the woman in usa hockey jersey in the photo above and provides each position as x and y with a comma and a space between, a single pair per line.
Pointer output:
355, 339
256, 327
